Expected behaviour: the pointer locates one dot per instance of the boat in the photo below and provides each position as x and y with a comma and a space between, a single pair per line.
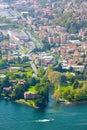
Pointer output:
51, 119
46, 120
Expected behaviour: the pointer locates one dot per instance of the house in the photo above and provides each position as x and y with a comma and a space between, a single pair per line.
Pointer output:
29, 95
78, 67
7, 90
21, 81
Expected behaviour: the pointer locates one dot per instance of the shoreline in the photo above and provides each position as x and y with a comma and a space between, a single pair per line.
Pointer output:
66, 102
31, 103
74, 102
25, 102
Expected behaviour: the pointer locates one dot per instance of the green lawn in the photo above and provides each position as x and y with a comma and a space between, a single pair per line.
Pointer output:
63, 88
32, 89
29, 73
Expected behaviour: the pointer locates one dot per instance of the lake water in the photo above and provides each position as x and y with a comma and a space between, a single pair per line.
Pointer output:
15, 116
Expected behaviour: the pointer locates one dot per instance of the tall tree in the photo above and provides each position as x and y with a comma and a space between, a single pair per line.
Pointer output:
5, 82
55, 77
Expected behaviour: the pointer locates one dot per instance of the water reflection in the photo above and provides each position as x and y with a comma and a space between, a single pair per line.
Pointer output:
53, 106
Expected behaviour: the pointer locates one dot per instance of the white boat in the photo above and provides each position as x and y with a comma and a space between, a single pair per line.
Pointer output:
46, 120
51, 119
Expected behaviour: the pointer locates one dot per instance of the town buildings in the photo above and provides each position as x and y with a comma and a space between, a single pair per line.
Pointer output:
35, 26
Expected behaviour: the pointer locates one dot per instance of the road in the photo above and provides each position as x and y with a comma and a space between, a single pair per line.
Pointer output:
37, 43
34, 68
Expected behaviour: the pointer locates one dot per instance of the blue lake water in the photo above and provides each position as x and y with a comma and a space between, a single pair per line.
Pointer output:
15, 116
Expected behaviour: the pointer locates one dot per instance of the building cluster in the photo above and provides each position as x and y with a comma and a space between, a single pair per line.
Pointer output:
38, 22
73, 55
43, 59
9, 90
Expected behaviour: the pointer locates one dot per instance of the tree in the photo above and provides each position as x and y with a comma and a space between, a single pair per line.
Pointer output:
32, 81
75, 84
70, 77
57, 95
19, 91
55, 77
1, 36
44, 79
0, 54
59, 68
63, 80
40, 101
42, 97
3, 63
50, 69
41, 71
19, 60
5, 82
